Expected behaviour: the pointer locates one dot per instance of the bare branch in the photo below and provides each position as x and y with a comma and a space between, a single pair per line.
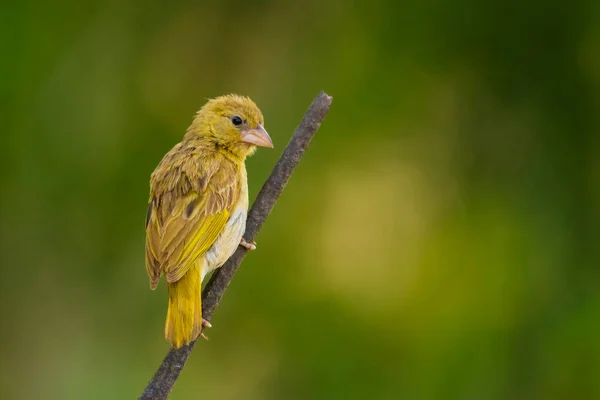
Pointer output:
162, 382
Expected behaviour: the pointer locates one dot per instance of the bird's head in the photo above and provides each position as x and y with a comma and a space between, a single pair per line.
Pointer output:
233, 123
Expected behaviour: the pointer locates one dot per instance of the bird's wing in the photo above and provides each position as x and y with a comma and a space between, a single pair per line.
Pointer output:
181, 225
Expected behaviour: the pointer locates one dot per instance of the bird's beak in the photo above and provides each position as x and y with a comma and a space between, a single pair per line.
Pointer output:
257, 136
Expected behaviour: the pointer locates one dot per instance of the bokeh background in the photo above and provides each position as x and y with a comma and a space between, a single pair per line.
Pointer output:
439, 240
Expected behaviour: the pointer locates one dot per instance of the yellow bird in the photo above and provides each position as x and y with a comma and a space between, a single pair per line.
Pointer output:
198, 205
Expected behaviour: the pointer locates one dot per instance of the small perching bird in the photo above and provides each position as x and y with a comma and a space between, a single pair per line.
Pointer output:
198, 205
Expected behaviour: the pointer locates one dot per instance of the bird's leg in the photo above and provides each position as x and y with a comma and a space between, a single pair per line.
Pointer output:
249, 246
205, 324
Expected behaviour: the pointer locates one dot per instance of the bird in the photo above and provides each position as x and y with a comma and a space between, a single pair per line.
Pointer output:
198, 206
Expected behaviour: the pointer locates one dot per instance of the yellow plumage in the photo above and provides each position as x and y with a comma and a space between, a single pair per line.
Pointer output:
184, 315
198, 205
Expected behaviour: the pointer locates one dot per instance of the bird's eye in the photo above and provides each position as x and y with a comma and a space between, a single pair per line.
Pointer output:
236, 120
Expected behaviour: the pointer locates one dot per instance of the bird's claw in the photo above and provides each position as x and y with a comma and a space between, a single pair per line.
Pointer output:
246, 245
205, 324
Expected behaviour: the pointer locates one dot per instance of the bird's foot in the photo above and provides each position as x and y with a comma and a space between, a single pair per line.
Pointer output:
249, 246
205, 324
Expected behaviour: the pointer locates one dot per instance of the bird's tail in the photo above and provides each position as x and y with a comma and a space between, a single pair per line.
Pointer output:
184, 317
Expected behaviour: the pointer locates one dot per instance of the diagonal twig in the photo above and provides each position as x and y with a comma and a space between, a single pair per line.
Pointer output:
162, 382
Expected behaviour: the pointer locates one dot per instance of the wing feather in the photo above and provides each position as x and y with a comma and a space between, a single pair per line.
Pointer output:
182, 224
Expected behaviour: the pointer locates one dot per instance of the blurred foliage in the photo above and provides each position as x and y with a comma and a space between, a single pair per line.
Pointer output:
438, 241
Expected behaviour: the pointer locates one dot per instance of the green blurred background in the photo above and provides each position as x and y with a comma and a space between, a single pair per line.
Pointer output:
439, 240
